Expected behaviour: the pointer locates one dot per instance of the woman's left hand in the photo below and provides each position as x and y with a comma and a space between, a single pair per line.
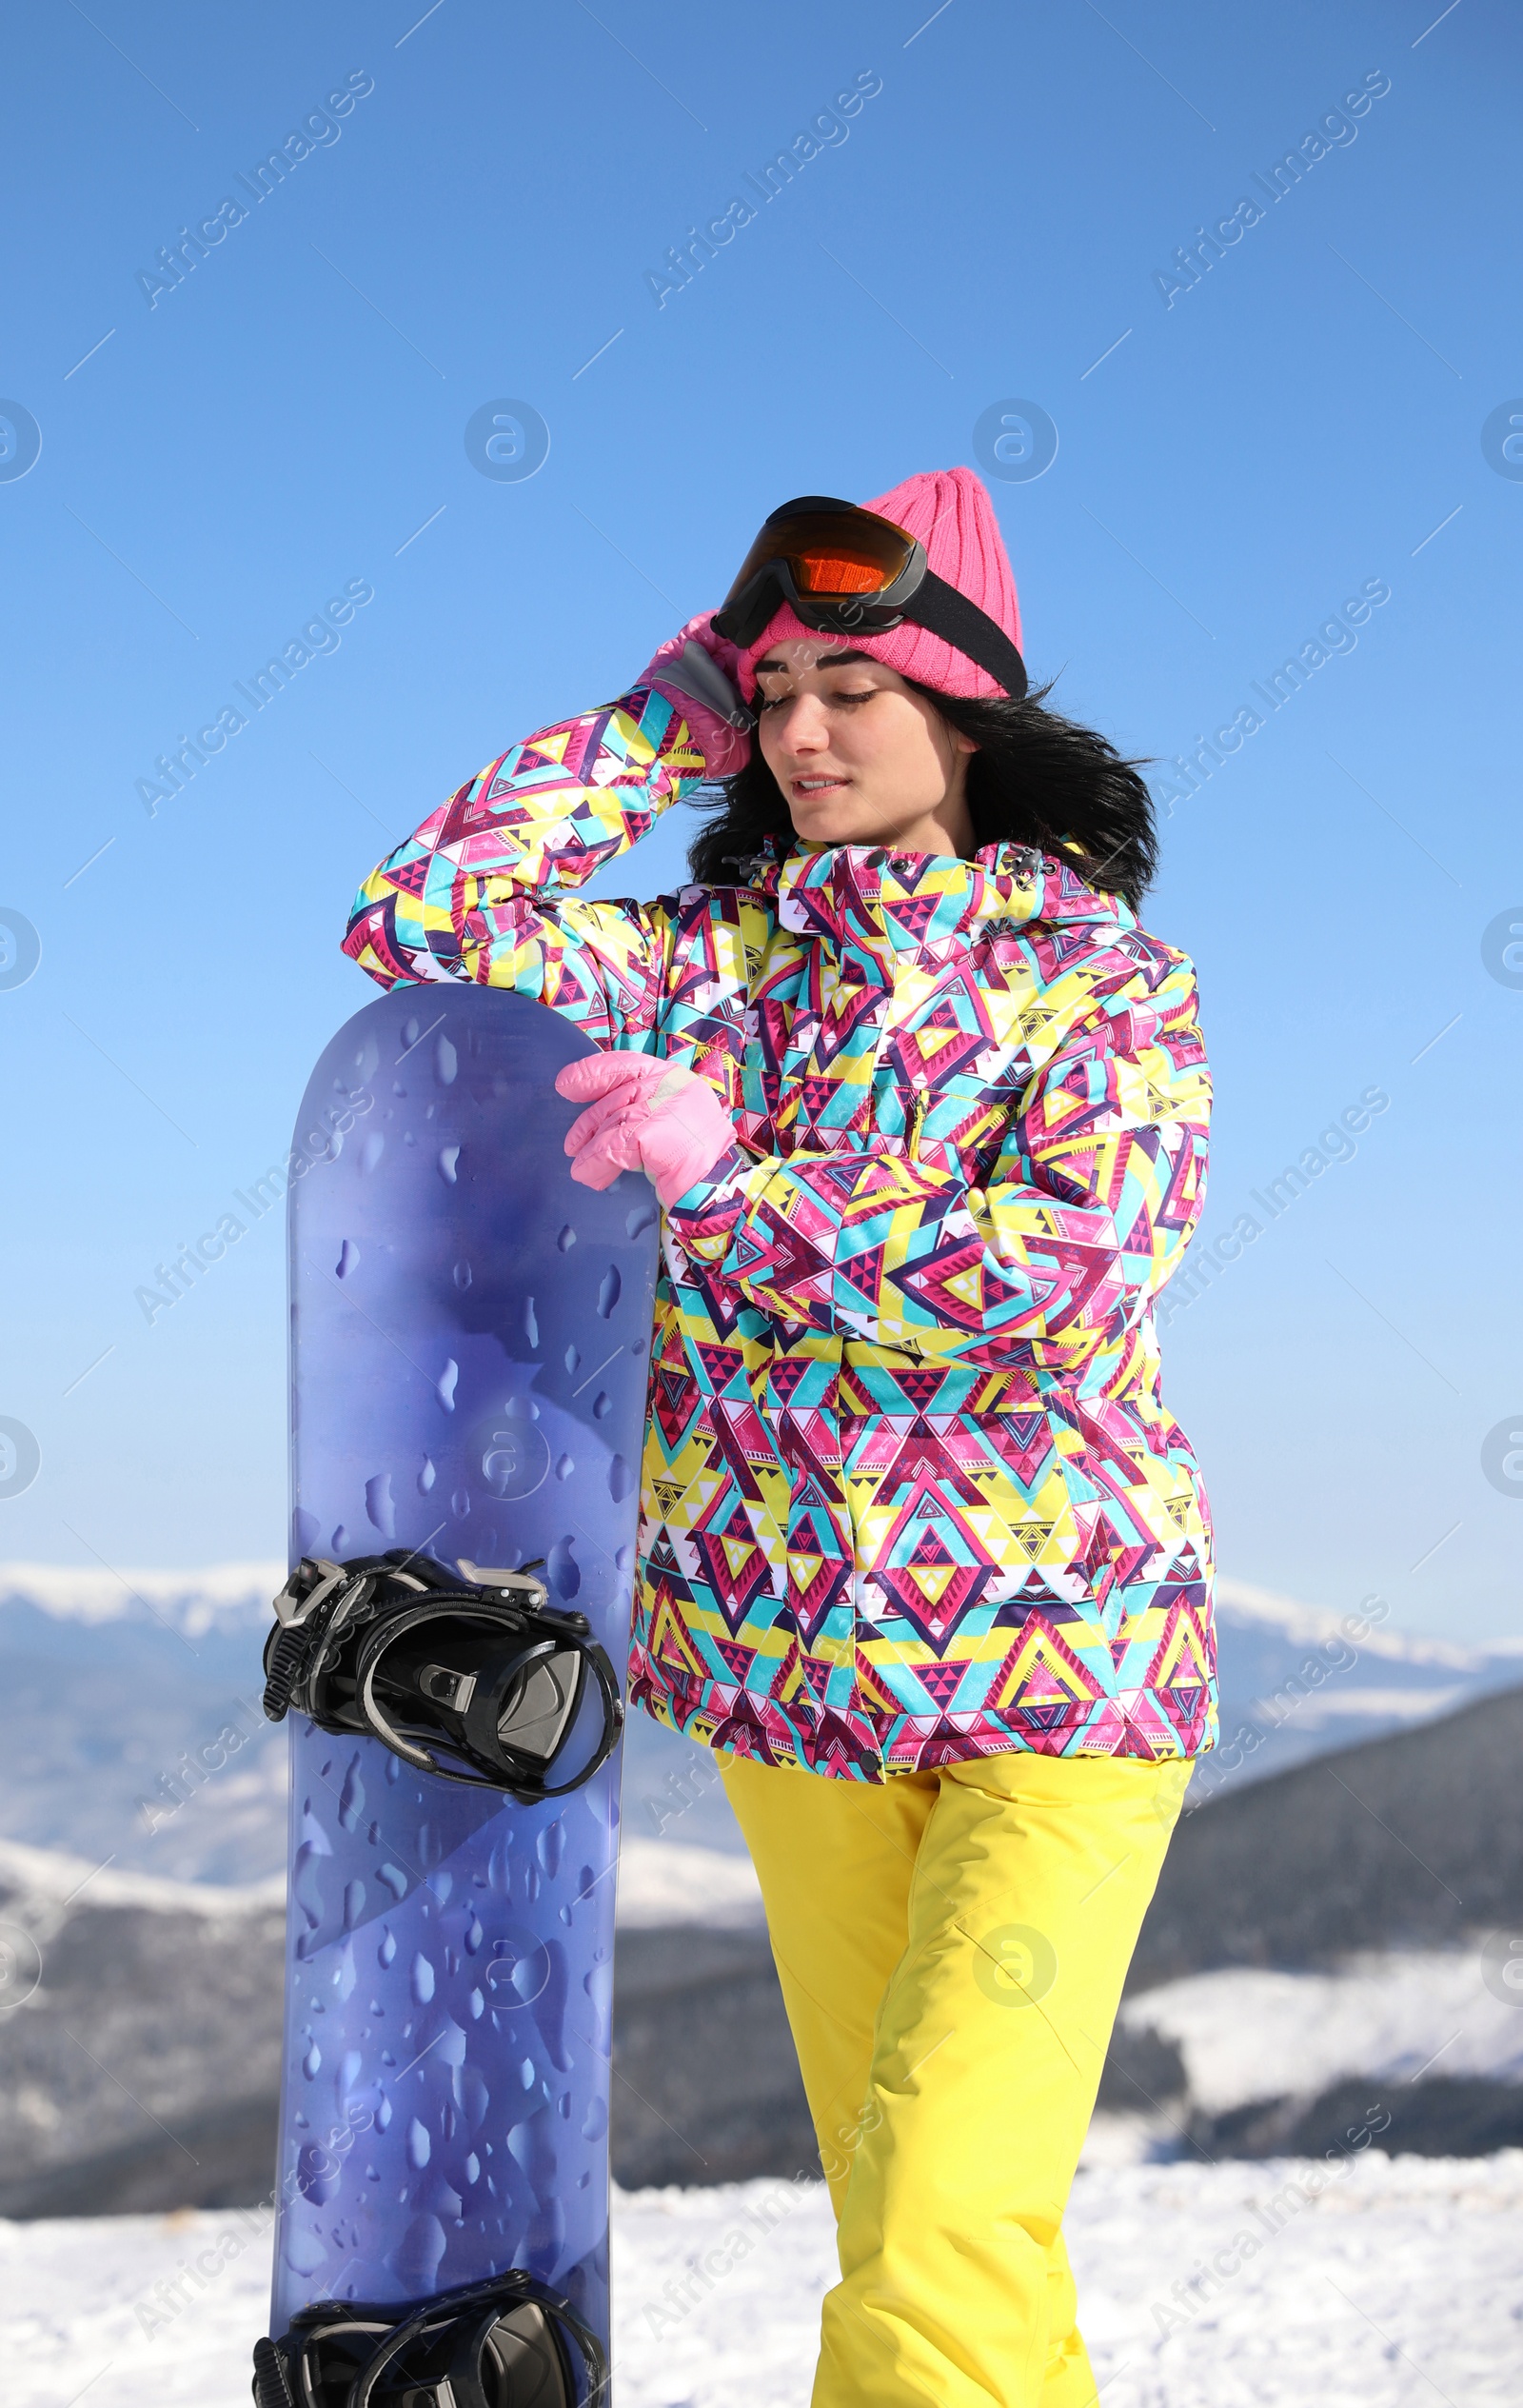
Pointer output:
696, 671
646, 1115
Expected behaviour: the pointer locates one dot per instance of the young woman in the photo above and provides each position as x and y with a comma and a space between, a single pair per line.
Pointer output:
923, 1553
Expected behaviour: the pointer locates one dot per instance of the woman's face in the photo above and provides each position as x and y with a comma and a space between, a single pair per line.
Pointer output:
862, 759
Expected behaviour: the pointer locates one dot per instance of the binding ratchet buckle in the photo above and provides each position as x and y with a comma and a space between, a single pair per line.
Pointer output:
478, 1679
495, 2344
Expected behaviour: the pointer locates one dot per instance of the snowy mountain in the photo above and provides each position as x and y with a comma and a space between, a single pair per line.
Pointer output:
1299, 1679
1344, 1863
1337, 1942
155, 2086
220, 1601
138, 1737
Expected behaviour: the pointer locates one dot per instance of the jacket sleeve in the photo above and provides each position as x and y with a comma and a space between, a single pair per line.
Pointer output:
1099, 1182
484, 891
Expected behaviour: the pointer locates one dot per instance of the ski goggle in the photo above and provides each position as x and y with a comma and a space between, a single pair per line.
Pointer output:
496, 2344
845, 570
477, 1680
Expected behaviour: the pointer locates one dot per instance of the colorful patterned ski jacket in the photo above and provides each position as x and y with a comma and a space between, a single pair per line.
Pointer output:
910, 1492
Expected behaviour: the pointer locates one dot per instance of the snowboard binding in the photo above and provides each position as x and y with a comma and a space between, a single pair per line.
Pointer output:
496, 2344
478, 1679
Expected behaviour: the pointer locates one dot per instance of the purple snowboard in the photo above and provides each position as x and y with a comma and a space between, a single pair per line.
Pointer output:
469, 1357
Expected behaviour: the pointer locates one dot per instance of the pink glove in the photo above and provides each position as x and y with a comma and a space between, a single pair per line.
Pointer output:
644, 1115
696, 671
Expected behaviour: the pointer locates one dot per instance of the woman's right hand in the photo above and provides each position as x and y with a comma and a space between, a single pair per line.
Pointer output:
644, 1113
696, 672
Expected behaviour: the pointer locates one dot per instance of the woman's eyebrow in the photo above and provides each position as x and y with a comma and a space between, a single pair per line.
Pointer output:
826, 660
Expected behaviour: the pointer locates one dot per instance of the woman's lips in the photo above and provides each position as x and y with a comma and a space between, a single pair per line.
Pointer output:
808, 787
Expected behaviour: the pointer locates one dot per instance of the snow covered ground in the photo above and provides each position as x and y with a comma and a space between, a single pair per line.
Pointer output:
1376, 2281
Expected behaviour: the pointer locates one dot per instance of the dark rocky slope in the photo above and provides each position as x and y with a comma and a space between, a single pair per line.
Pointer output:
139, 2021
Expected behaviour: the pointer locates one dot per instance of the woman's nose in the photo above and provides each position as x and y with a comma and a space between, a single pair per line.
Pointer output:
804, 727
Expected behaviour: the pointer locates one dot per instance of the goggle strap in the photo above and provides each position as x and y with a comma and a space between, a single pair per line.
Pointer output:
935, 605
942, 611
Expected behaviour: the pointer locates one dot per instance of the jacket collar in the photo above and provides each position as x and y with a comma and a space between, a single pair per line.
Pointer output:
922, 902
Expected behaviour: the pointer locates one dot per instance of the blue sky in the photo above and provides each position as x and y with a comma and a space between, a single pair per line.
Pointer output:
484, 214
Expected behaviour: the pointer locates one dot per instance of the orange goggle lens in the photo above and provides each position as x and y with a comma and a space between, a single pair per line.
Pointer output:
832, 572
837, 551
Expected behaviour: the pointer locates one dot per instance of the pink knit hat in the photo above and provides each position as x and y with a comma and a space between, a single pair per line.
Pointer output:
951, 512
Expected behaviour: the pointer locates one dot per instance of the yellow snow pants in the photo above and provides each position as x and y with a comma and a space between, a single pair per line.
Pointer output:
952, 1946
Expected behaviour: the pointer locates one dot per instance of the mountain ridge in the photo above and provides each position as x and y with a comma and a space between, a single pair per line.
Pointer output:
1380, 1864
240, 1590
137, 1732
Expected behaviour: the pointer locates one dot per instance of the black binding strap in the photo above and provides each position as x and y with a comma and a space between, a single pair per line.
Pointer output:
475, 1680
500, 2343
